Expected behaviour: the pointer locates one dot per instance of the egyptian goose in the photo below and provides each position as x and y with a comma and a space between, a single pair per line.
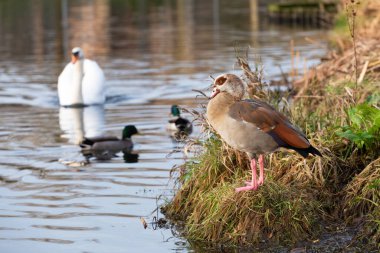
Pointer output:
178, 124
81, 82
251, 125
105, 147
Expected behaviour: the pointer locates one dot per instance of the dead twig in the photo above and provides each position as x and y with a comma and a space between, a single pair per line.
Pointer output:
201, 92
362, 74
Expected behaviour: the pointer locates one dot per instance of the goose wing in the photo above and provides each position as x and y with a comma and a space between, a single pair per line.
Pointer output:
270, 121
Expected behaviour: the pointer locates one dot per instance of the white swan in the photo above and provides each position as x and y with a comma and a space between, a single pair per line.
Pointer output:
81, 82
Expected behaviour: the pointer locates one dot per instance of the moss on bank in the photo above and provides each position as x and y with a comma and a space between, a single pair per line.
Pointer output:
341, 118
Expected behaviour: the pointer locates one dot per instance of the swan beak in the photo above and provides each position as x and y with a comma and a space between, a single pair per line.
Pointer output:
74, 58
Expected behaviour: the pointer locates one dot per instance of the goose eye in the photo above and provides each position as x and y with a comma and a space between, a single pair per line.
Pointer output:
220, 81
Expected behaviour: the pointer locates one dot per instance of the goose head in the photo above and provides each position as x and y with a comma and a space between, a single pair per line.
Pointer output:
228, 84
128, 131
76, 54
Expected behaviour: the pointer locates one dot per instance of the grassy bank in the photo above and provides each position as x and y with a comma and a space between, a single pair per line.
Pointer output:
337, 105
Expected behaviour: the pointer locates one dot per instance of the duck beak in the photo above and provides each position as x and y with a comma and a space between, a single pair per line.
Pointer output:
215, 92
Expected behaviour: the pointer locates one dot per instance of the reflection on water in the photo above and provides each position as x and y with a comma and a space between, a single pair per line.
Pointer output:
153, 53
130, 157
77, 123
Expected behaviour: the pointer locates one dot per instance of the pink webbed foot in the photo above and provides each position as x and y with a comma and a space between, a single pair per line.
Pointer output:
260, 182
249, 187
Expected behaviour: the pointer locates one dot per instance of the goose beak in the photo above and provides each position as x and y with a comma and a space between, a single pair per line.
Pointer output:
215, 92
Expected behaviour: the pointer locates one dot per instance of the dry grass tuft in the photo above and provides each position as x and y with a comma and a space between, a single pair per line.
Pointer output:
274, 212
214, 212
362, 194
362, 201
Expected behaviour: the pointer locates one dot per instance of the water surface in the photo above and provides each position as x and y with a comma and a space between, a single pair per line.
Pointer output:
153, 54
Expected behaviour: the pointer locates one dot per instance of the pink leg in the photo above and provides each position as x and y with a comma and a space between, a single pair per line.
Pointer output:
253, 184
261, 165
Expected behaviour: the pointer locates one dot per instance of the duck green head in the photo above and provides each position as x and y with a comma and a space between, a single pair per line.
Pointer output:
128, 131
175, 111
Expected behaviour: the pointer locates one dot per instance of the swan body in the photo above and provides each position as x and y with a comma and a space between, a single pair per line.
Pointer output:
81, 82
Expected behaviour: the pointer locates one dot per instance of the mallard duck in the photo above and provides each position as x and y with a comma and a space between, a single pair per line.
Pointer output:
252, 126
81, 82
106, 147
177, 124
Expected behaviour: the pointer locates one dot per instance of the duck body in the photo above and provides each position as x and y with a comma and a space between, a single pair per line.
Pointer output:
81, 82
111, 143
252, 126
106, 147
178, 124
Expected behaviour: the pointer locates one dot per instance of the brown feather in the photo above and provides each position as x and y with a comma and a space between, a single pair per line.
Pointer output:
290, 136
267, 119
254, 113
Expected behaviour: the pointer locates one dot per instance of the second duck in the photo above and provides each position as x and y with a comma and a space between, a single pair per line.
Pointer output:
106, 147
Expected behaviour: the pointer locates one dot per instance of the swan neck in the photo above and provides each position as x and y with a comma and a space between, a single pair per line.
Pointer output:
78, 78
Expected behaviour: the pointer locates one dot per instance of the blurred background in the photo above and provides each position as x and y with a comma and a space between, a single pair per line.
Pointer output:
153, 53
